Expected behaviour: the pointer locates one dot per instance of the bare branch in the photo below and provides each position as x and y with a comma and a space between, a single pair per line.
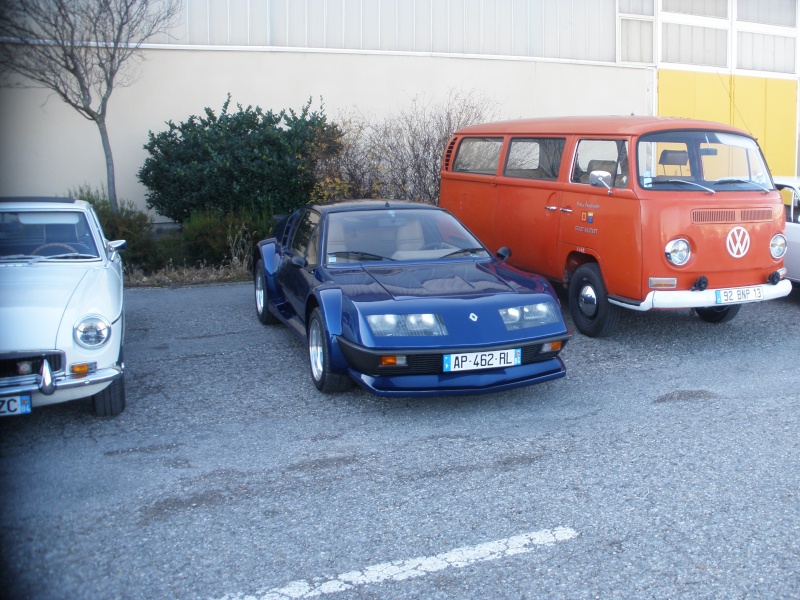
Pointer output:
79, 49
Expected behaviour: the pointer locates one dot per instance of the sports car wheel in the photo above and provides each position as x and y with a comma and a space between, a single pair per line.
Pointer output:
325, 380
262, 310
591, 311
718, 314
111, 401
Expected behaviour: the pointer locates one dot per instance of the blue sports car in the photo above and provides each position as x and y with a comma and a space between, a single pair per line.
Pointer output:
402, 299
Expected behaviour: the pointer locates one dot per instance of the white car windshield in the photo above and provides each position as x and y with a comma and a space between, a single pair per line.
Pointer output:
46, 235
407, 234
709, 161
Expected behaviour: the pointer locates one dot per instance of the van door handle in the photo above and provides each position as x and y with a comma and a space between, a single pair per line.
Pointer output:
566, 210
551, 208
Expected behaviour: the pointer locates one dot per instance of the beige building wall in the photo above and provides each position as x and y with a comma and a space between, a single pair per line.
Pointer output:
47, 148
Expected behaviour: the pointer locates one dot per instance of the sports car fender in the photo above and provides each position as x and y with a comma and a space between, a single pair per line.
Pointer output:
330, 302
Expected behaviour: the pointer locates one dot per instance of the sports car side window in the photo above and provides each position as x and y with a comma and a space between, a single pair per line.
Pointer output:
306, 226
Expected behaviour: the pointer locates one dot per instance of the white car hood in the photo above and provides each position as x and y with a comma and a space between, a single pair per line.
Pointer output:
37, 300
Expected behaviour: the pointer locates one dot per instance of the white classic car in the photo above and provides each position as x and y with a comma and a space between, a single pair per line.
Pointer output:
61, 307
790, 190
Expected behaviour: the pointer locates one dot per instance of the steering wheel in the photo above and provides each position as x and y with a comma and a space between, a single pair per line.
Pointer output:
53, 245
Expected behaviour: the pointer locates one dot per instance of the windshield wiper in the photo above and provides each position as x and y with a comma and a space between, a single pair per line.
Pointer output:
465, 251
19, 257
763, 188
70, 255
359, 254
702, 187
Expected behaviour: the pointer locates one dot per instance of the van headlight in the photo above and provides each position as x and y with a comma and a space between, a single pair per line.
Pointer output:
530, 315
777, 246
678, 251
92, 332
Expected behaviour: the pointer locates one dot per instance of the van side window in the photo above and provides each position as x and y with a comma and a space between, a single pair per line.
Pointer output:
610, 156
478, 155
532, 158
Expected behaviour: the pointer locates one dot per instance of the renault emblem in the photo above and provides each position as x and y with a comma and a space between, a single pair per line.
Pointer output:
738, 242
473, 317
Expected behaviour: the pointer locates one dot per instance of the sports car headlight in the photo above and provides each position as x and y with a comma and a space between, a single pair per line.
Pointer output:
777, 245
92, 332
678, 251
530, 315
406, 325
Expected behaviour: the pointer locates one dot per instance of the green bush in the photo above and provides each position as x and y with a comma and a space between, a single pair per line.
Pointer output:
244, 160
212, 238
129, 224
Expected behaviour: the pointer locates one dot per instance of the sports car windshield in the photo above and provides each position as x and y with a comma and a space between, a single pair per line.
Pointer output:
389, 234
43, 235
707, 161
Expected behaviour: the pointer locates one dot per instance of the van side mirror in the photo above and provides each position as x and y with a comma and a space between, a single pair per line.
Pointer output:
600, 178
503, 253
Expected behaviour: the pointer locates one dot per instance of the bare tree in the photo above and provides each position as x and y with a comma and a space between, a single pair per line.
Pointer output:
81, 50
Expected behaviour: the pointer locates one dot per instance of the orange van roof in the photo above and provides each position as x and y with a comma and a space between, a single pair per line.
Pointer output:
596, 125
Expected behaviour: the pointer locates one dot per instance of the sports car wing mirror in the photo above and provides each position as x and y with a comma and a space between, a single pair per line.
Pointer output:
504, 253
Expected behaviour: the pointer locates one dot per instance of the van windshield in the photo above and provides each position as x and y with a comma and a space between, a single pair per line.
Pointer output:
710, 161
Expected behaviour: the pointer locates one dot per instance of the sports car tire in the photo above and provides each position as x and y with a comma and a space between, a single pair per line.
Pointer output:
260, 283
591, 311
111, 401
718, 314
326, 380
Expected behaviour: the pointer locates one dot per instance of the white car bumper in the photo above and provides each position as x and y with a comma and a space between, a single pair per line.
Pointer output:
708, 297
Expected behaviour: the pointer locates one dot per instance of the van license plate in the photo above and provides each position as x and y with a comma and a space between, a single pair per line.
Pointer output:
15, 405
736, 295
470, 361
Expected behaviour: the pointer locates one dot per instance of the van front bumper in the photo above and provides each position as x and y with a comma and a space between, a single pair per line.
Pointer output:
708, 297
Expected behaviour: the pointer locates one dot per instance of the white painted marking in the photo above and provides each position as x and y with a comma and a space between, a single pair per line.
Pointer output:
415, 567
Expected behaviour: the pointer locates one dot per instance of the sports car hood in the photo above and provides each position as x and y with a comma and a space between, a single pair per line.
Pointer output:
462, 278
35, 299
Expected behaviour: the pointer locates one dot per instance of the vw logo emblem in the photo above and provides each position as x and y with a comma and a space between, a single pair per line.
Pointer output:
738, 242
473, 317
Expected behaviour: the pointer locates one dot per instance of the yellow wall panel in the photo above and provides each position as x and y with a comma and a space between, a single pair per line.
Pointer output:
766, 108
780, 127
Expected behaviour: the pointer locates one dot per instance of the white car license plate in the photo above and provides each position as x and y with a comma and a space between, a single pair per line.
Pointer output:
15, 405
736, 295
470, 361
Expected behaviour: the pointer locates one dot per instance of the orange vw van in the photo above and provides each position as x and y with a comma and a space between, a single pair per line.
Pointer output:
628, 212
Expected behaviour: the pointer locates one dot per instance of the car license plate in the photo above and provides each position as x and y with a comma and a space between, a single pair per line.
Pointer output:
736, 295
15, 405
469, 361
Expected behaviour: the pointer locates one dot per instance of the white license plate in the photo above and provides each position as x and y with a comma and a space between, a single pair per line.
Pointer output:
470, 361
736, 295
15, 405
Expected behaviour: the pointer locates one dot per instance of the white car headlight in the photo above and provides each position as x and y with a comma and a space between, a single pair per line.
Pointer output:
777, 245
678, 251
92, 332
530, 315
406, 325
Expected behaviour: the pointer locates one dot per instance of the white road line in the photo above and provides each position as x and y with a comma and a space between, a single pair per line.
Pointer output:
416, 567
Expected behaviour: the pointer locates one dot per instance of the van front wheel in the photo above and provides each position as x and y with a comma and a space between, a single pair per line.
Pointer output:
591, 311
718, 314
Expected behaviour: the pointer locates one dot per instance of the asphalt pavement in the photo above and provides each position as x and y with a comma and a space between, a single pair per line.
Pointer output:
665, 465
